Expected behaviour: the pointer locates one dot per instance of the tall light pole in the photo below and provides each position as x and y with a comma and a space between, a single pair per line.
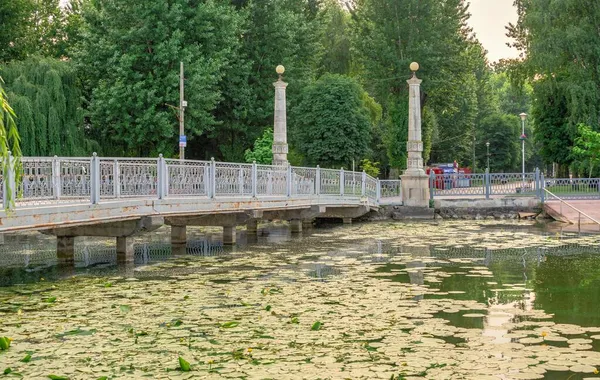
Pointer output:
487, 144
523, 137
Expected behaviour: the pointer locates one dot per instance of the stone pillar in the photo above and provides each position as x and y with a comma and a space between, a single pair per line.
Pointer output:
280, 146
252, 227
347, 220
415, 183
296, 225
229, 235
125, 251
1, 239
65, 250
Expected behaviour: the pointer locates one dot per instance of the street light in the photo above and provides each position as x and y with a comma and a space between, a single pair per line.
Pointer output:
487, 144
523, 137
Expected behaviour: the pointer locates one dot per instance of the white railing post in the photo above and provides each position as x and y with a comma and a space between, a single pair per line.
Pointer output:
363, 184
254, 179
318, 181
213, 177
95, 179
378, 192
116, 179
56, 183
342, 182
9, 191
207, 180
163, 178
241, 180
289, 180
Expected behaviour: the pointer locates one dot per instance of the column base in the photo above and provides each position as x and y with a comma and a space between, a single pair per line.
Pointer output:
229, 235
415, 190
65, 250
125, 250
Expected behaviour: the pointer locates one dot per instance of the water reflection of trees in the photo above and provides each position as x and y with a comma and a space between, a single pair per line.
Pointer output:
569, 288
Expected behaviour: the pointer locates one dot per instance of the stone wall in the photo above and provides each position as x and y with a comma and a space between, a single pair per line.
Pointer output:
474, 209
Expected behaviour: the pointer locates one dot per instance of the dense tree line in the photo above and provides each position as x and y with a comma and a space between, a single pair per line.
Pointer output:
559, 43
107, 72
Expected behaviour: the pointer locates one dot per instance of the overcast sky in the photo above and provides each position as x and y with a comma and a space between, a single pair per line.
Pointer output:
488, 19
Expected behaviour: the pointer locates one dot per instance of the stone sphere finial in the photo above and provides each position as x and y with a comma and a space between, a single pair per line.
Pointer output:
414, 66
280, 69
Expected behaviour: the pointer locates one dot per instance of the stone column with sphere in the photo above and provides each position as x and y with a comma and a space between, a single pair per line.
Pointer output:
415, 183
280, 146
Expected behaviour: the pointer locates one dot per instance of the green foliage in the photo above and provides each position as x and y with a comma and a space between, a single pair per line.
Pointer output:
332, 123
4, 343
587, 148
371, 168
263, 149
47, 99
129, 55
502, 132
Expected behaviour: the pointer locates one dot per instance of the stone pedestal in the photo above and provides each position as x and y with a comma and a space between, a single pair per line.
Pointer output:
229, 233
296, 225
65, 250
125, 251
415, 190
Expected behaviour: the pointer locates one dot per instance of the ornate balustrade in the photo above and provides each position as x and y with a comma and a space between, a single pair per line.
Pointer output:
42, 181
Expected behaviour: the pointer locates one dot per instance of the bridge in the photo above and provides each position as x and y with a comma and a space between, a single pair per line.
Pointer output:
123, 197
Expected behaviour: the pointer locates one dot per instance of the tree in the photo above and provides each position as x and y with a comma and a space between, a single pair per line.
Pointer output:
332, 124
587, 148
46, 96
9, 136
263, 149
502, 132
14, 20
129, 58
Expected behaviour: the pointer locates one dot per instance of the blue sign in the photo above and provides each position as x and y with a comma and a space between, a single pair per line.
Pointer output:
183, 141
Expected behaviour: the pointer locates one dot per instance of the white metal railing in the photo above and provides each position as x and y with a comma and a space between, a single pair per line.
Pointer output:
45, 181
562, 201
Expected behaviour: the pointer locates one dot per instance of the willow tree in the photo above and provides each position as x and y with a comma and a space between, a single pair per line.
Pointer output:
45, 95
9, 137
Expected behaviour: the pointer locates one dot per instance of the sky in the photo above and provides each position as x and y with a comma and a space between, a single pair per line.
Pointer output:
488, 19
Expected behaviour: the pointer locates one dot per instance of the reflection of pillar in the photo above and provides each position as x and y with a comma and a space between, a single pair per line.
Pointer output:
280, 146
416, 275
178, 240
296, 225
347, 220
229, 235
125, 251
65, 250
415, 183
307, 224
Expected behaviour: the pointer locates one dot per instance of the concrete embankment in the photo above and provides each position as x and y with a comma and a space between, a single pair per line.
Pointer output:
469, 209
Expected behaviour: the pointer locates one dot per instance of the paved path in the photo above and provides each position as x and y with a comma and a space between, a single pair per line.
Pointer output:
564, 213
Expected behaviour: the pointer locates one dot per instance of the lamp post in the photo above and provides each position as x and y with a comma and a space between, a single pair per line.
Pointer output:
487, 144
523, 137
280, 146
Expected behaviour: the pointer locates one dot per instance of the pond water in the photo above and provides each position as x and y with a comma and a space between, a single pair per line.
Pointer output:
450, 300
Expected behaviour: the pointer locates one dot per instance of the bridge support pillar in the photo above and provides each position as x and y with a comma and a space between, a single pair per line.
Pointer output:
296, 225
252, 227
229, 235
307, 224
125, 250
347, 220
65, 250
